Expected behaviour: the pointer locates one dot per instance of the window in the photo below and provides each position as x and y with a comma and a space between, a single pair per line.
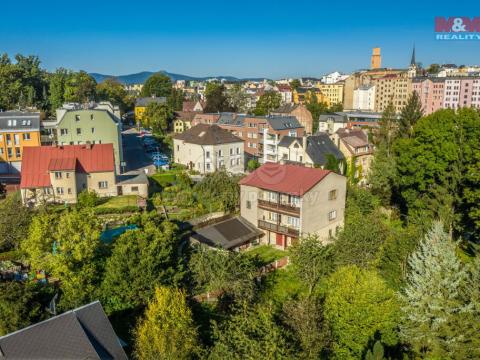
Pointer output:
26, 136
231, 151
63, 131
295, 201
58, 175
9, 152
207, 154
178, 147
47, 191
102, 184
69, 191
134, 189
93, 130
332, 215
17, 152
248, 204
77, 117
208, 166
79, 131
272, 196
16, 139
232, 162
91, 117
60, 190
238, 151
273, 216
67, 175
220, 153
332, 195
293, 221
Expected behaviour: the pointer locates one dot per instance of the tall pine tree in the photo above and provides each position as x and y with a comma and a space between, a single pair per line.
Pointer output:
411, 113
437, 308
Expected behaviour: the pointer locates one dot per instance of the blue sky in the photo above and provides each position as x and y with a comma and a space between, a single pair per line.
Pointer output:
274, 38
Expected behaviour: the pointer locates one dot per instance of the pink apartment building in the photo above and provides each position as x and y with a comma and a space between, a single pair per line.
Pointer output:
447, 93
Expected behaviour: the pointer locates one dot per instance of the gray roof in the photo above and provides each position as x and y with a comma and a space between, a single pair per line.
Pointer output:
132, 179
82, 333
338, 118
204, 134
233, 119
318, 147
283, 122
17, 120
227, 234
147, 100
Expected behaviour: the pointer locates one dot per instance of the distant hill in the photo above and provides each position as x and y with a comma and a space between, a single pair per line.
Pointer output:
141, 77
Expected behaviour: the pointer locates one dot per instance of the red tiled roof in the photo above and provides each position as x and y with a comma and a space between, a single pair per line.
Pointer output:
37, 161
62, 164
289, 179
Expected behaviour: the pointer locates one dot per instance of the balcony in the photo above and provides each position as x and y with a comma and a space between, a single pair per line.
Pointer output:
281, 229
279, 207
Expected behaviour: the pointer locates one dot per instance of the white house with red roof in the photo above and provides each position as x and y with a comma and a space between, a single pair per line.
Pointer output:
287, 202
59, 173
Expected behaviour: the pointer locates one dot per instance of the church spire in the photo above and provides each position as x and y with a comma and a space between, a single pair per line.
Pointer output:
412, 61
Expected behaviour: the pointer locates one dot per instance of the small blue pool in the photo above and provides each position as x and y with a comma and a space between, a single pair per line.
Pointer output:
109, 235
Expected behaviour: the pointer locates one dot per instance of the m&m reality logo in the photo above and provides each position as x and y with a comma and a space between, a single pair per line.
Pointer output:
457, 28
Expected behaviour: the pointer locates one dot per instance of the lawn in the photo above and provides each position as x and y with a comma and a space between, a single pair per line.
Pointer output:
164, 179
119, 202
282, 284
267, 253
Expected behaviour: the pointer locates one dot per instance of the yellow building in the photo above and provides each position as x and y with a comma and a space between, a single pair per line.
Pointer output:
333, 92
303, 95
142, 103
395, 88
183, 121
17, 130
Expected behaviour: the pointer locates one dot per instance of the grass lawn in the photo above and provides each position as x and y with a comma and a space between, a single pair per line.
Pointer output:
281, 285
267, 253
119, 202
164, 179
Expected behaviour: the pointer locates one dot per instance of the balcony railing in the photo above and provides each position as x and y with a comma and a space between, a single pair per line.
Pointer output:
281, 229
279, 207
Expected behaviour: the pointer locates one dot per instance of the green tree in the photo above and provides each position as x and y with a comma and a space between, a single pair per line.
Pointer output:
237, 98
382, 176
141, 260
57, 83
388, 129
87, 199
270, 100
311, 261
80, 87
158, 117
228, 272
433, 69
216, 97
359, 308
304, 317
437, 310
316, 108
295, 84
411, 113
249, 334
14, 221
376, 353
113, 91
175, 99
252, 165
167, 331
22, 304
219, 190
158, 85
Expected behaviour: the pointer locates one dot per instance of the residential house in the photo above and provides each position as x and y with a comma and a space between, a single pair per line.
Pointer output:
142, 103
358, 152
311, 151
303, 95
332, 93
193, 106
208, 148
354, 119
289, 201
205, 119
330, 123
333, 77
76, 125
81, 333
18, 130
286, 93
431, 91
393, 88
261, 133
303, 115
183, 121
57, 174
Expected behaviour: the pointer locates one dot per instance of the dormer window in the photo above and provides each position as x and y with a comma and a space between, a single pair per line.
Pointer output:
77, 117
